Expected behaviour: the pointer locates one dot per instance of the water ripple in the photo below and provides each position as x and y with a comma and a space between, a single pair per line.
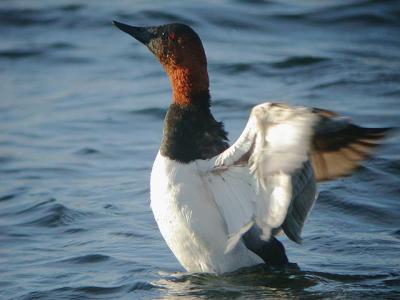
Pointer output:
298, 61
87, 151
68, 292
7, 197
25, 17
263, 280
155, 112
52, 215
20, 53
90, 258
362, 210
167, 17
81, 110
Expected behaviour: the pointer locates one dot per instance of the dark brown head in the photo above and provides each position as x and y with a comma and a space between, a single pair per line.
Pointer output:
180, 51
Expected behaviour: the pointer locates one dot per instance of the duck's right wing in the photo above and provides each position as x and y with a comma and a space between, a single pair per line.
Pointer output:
338, 146
275, 145
279, 137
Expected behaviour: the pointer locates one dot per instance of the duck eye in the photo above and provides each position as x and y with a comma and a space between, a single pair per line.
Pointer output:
171, 36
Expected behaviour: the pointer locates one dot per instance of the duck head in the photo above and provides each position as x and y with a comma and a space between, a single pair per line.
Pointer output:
181, 53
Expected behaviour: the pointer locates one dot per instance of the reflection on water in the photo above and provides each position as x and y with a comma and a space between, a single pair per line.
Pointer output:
262, 281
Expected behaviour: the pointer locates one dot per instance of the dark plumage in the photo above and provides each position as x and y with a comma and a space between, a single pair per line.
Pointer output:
335, 148
191, 132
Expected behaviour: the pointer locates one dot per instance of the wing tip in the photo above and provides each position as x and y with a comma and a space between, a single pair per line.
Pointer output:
379, 132
362, 142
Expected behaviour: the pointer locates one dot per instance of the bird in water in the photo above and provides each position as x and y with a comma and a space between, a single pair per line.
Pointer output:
220, 207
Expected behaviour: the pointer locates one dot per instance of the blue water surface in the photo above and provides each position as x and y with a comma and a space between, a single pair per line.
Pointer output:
81, 113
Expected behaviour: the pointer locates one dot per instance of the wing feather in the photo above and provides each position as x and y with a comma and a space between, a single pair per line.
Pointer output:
303, 199
338, 146
273, 166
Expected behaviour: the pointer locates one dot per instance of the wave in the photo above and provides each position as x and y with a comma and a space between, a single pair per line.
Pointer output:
256, 68
50, 214
50, 52
89, 258
158, 113
265, 69
23, 17
232, 104
71, 7
74, 230
61, 45
7, 197
20, 53
129, 234
89, 291
371, 13
341, 83
333, 18
167, 17
298, 61
39, 172
361, 210
87, 151
396, 234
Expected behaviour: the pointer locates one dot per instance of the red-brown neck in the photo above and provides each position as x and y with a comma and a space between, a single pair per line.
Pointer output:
188, 83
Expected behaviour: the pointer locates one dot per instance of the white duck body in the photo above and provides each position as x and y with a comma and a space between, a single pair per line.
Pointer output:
190, 221
266, 179
221, 197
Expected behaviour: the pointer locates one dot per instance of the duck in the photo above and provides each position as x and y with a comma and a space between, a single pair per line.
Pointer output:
220, 206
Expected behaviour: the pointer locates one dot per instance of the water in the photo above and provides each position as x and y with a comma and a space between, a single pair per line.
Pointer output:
81, 113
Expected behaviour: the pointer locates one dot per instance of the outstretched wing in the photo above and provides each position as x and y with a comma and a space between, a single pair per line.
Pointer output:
338, 146
275, 148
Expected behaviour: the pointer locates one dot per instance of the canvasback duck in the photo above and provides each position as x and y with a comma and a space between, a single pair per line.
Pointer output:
220, 207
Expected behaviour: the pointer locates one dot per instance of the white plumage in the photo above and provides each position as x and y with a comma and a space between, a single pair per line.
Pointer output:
267, 178
190, 220
202, 208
